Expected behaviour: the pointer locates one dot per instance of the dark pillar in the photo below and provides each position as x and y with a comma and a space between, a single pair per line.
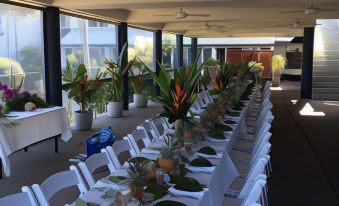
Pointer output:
180, 51
221, 55
51, 23
307, 67
122, 40
157, 55
194, 49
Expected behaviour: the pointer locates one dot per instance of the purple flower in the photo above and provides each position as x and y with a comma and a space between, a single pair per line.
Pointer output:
8, 93
25, 93
4, 87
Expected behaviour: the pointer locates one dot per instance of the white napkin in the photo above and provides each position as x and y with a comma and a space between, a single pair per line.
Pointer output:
200, 169
211, 139
150, 151
217, 156
197, 195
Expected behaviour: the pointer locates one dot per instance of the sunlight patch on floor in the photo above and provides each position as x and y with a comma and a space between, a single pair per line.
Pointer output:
308, 110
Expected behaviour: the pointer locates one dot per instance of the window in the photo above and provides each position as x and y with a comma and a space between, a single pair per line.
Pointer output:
21, 50
86, 42
168, 49
187, 51
140, 43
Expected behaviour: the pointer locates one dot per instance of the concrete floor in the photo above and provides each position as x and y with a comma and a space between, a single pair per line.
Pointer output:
304, 151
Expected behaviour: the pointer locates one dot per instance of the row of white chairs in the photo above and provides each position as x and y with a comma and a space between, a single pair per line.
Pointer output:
132, 144
250, 155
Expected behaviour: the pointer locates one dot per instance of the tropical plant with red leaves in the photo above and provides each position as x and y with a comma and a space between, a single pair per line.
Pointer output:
178, 92
222, 77
79, 87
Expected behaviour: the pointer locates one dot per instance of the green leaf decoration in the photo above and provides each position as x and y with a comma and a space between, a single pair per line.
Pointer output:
80, 202
233, 114
208, 150
188, 184
116, 179
223, 127
201, 162
157, 190
217, 134
169, 203
230, 122
139, 160
239, 104
184, 159
237, 108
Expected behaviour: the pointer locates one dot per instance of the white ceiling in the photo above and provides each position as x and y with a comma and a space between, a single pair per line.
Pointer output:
240, 18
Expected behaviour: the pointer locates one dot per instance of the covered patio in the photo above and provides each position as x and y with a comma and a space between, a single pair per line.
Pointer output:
169, 102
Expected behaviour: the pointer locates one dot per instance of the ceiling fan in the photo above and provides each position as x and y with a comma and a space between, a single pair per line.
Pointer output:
182, 14
311, 10
297, 24
208, 26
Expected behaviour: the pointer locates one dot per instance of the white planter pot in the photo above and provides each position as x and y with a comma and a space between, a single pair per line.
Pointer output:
140, 100
114, 109
83, 120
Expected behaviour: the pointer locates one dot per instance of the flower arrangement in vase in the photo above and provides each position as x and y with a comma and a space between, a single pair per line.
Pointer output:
137, 174
168, 152
178, 93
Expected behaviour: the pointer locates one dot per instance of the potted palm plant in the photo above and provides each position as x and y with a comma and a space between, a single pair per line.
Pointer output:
178, 93
114, 87
222, 77
278, 63
138, 83
83, 91
168, 151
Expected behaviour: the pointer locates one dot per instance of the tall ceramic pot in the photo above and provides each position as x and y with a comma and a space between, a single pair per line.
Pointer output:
276, 78
140, 100
83, 120
115, 109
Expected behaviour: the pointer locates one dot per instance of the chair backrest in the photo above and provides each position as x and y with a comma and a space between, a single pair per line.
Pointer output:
117, 148
255, 193
261, 140
207, 97
24, 198
56, 183
264, 149
263, 117
257, 169
159, 125
136, 136
147, 127
94, 162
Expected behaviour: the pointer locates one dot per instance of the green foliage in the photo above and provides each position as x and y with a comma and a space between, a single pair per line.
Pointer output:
188, 184
157, 190
278, 62
211, 62
222, 77
178, 93
137, 173
168, 151
201, 162
115, 71
216, 134
83, 91
169, 203
137, 72
207, 150
18, 104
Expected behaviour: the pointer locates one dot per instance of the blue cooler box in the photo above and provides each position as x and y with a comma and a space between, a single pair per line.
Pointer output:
105, 137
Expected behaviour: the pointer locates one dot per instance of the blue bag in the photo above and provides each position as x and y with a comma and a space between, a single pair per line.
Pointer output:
105, 137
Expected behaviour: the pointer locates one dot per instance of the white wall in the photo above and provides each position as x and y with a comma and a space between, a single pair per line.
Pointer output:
281, 48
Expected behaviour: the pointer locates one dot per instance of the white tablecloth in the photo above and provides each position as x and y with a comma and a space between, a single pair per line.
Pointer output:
32, 127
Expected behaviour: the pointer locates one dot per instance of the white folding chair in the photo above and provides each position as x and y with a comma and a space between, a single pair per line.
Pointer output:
24, 198
147, 127
245, 161
240, 186
94, 162
136, 136
249, 146
159, 125
56, 183
254, 194
117, 148
265, 116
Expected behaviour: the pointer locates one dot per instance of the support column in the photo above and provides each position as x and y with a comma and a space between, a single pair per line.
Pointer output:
307, 66
221, 55
51, 23
180, 51
122, 40
157, 55
194, 49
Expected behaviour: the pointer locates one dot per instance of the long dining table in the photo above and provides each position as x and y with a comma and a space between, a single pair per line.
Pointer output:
217, 181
